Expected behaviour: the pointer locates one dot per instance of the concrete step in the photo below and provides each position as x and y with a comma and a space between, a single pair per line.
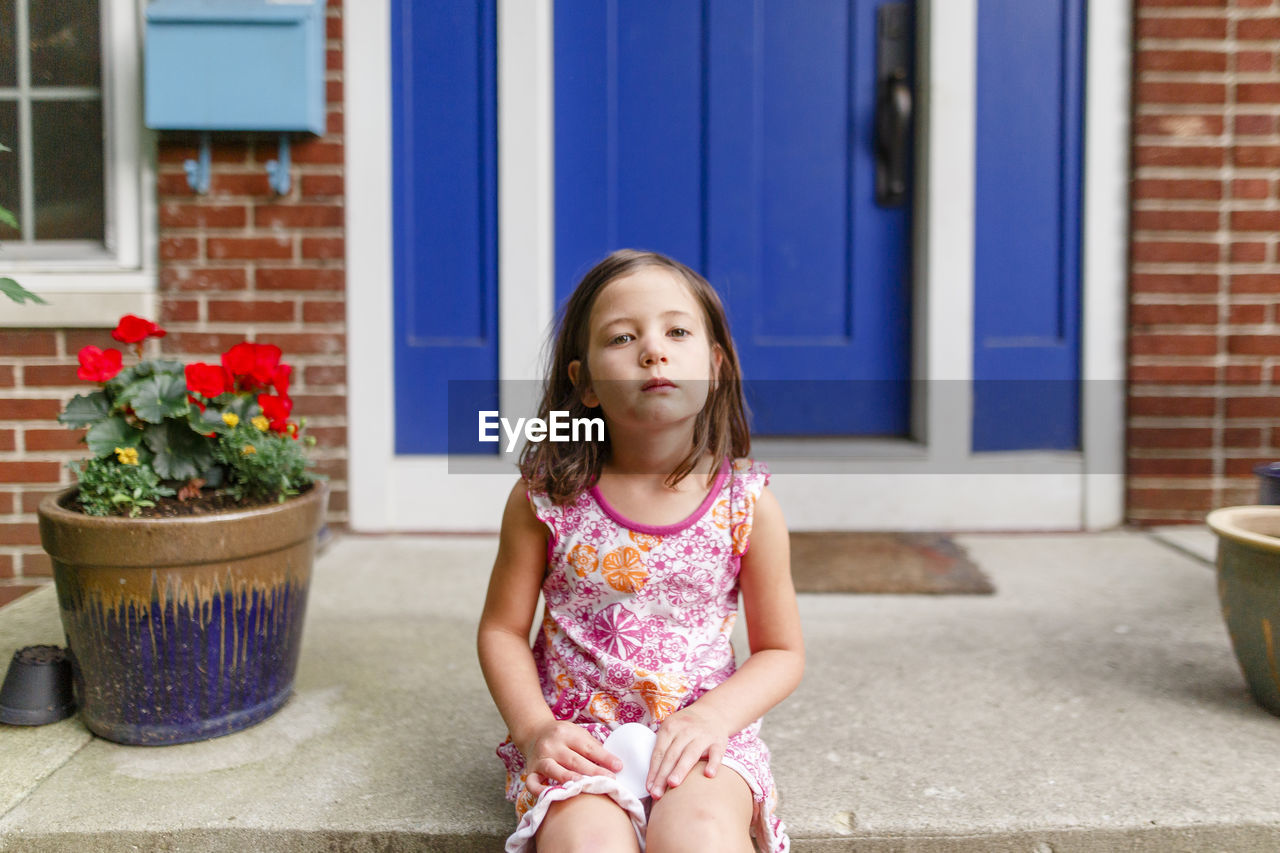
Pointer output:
1092, 704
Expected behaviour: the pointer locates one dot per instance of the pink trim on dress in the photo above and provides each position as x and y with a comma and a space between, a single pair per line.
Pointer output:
665, 529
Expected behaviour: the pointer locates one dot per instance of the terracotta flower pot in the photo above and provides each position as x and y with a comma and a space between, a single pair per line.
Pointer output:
182, 629
1249, 590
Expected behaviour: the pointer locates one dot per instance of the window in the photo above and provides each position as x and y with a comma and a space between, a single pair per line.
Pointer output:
79, 177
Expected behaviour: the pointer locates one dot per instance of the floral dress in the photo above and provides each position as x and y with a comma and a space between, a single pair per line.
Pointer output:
636, 626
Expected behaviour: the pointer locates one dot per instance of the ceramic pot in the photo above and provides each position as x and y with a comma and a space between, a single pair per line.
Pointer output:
1268, 483
182, 629
1249, 590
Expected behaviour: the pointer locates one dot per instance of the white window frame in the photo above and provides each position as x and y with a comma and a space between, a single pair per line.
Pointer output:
97, 291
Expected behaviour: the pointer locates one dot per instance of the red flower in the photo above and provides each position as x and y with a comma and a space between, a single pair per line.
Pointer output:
208, 380
280, 379
252, 365
133, 330
266, 358
238, 360
276, 410
98, 365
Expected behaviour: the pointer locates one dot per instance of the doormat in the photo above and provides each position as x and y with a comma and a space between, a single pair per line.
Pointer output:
884, 563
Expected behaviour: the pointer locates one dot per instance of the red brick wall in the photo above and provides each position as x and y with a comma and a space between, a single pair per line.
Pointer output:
239, 263
1204, 351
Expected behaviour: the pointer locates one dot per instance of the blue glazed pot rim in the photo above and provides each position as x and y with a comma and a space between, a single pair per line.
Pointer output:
1270, 470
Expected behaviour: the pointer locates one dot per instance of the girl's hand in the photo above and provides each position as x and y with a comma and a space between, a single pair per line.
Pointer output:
684, 739
561, 752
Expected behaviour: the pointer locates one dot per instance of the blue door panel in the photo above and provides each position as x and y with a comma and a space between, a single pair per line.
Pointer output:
629, 160
444, 156
1027, 235
737, 137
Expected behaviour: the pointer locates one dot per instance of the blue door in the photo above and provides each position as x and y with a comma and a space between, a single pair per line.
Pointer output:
739, 138
1027, 226
444, 156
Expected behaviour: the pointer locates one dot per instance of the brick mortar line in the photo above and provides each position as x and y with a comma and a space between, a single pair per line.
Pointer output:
1183, 173
1215, 78
1217, 459
1175, 142
1155, 205
1188, 268
1222, 238
1163, 297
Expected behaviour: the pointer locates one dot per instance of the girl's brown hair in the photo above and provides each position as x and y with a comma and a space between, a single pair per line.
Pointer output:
565, 470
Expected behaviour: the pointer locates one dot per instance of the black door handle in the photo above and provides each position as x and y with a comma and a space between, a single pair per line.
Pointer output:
894, 103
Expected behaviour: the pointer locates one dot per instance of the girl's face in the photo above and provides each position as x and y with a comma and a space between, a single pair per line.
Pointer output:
651, 356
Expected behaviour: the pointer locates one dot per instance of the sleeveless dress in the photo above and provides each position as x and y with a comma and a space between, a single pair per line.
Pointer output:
636, 626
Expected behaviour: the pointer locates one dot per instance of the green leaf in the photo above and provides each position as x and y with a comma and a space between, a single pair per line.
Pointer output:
11, 288
244, 405
104, 437
85, 409
180, 454
7, 217
210, 420
144, 369
156, 398
214, 476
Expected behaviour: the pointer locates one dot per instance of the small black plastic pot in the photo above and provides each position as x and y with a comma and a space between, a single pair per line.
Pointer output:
1268, 483
37, 688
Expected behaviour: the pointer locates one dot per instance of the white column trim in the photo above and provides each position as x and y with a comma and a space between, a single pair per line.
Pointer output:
1104, 259
370, 359
526, 210
944, 238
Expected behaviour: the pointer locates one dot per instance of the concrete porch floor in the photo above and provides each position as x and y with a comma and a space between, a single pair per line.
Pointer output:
1092, 704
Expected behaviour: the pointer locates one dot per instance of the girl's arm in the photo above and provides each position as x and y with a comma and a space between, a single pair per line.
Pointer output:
702, 729
554, 750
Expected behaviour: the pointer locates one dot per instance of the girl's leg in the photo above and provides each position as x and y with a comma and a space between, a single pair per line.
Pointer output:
587, 822
703, 815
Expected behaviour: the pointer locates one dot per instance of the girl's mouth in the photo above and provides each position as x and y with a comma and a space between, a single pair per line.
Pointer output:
654, 384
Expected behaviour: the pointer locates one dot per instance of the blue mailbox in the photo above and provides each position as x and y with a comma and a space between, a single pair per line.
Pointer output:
247, 65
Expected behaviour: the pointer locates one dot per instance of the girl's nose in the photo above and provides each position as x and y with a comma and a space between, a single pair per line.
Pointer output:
652, 356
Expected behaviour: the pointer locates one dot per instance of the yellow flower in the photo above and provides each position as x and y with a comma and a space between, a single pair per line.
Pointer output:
248, 449
261, 423
127, 455
230, 419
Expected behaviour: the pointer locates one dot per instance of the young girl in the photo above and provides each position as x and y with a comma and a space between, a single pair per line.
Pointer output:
640, 545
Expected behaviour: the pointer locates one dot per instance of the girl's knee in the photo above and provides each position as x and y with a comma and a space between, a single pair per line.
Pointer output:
587, 822
702, 815
699, 831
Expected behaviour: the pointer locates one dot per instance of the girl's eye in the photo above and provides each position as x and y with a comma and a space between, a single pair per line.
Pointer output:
621, 339
680, 333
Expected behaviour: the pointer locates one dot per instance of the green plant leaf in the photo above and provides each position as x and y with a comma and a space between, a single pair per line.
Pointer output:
142, 370
180, 454
85, 409
243, 405
15, 291
104, 437
210, 420
7, 217
157, 397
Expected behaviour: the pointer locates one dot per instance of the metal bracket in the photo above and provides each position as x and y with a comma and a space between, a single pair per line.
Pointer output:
277, 170
198, 170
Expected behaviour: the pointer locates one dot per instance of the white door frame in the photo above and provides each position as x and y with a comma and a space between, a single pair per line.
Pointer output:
846, 485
